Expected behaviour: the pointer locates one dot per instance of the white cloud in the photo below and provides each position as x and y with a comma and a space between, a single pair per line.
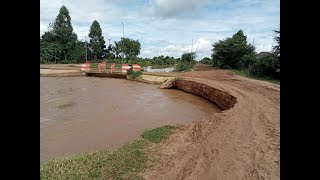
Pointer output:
82, 13
166, 27
176, 7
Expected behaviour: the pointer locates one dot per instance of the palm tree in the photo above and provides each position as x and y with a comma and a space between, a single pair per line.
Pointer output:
116, 50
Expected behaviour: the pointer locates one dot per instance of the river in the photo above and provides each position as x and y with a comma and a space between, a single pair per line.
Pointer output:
83, 114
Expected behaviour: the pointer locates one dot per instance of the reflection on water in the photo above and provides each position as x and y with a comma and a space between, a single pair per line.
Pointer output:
80, 114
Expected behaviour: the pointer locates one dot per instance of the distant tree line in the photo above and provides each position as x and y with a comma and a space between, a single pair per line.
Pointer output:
59, 44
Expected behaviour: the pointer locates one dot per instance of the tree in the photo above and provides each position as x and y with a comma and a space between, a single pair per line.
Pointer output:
206, 60
276, 48
187, 57
116, 50
248, 60
129, 47
229, 52
63, 30
266, 66
97, 42
78, 54
49, 52
61, 34
276, 52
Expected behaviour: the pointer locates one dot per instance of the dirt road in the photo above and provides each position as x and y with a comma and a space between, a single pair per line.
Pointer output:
240, 143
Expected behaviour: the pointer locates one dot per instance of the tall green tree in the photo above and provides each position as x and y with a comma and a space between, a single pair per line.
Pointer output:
228, 53
61, 34
63, 30
129, 47
97, 42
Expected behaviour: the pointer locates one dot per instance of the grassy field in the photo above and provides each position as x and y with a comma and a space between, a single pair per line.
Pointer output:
268, 79
124, 163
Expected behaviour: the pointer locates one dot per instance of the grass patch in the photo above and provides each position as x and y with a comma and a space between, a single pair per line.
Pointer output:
158, 134
124, 163
267, 79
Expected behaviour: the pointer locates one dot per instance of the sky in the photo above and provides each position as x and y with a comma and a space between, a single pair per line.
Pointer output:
171, 27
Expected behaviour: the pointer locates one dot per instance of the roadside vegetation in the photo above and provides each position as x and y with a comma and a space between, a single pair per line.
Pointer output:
264, 78
236, 54
133, 74
123, 163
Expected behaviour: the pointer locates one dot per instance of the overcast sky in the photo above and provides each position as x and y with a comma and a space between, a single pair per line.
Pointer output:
166, 27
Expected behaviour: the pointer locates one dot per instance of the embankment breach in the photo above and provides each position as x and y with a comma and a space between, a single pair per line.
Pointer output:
221, 98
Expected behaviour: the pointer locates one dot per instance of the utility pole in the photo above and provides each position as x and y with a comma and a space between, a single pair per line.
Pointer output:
196, 48
85, 39
191, 50
109, 41
122, 30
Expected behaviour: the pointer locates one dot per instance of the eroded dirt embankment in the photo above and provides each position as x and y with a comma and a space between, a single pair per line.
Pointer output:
242, 142
221, 98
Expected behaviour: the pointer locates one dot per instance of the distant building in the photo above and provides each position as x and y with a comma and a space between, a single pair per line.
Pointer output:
263, 54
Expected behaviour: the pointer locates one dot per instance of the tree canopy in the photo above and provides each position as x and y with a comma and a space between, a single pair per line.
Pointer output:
188, 57
129, 47
58, 43
229, 52
97, 43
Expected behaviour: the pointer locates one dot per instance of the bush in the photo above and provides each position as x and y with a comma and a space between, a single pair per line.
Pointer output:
65, 62
133, 74
182, 67
266, 66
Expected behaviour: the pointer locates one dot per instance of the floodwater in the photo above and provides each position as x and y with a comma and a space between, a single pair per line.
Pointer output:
150, 69
83, 114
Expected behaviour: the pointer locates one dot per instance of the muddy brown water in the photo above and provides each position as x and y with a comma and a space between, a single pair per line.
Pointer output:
83, 114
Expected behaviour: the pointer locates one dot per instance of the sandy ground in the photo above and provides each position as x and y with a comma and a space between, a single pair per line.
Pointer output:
153, 79
240, 143
54, 71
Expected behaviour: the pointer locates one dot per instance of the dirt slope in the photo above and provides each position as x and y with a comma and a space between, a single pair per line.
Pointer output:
240, 143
